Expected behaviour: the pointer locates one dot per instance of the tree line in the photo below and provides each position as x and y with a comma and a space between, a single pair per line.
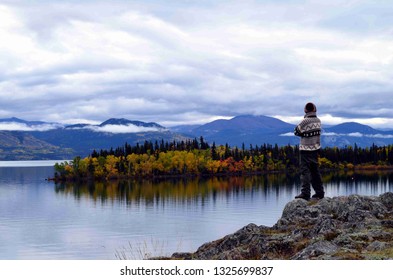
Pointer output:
196, 157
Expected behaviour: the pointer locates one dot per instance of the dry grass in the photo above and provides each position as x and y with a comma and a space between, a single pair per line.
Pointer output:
146, 249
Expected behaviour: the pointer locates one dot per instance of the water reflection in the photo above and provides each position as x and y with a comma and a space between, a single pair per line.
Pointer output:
199, 189
364, 183
190, 189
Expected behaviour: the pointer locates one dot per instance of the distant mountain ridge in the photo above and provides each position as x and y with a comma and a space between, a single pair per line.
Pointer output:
45, 140
246, 122
123, 121
21, 145
76, 139
112, 121
245, 129
254, 130
353, 127
17, 120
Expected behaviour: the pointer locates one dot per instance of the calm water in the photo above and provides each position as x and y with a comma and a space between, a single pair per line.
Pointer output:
43, 220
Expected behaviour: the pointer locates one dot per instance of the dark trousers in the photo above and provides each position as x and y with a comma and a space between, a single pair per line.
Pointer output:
309, 173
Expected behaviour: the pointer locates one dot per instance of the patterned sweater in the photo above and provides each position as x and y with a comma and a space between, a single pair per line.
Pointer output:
309, 129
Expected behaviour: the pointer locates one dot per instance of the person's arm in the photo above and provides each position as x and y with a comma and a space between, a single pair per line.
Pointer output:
298, 131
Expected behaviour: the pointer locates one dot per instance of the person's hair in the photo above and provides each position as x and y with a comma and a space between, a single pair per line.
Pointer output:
310, 107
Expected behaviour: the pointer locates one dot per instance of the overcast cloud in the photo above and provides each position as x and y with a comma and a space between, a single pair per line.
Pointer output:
189, 62
14, 126
123, 128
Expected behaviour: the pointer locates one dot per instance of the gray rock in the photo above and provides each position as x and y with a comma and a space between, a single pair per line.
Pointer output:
240, 245
317, 249
326, 225
377, 246
387, 200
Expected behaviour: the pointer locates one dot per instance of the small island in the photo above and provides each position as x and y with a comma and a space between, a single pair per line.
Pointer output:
197, 158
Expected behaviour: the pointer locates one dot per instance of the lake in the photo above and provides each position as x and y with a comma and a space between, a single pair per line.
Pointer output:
134, 219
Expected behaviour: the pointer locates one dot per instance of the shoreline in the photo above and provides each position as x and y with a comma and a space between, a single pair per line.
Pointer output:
217, 175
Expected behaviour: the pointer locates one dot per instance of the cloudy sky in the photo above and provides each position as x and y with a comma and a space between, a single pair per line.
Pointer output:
189, 62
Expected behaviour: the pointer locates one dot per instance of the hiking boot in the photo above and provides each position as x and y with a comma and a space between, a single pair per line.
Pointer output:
317, 196
303, 196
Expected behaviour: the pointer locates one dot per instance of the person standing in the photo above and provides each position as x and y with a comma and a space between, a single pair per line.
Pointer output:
309, 131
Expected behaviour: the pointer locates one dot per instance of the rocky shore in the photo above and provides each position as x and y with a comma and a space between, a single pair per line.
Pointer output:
346, 227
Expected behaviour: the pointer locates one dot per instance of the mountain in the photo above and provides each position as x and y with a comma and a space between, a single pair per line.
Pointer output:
126, 122
54, 141
16, 120
184, 129
22, 139
112, 133
20, 145
245, 123
245, 129
258, 130
349, 133
15, 124
353, 127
